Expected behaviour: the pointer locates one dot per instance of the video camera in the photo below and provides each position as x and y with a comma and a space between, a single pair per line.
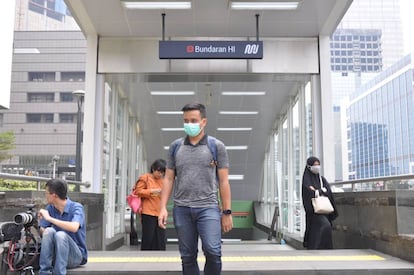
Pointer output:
12, 230
26, 218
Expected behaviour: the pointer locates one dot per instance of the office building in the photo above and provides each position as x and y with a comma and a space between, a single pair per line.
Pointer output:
368, 40
379, 124
48, 65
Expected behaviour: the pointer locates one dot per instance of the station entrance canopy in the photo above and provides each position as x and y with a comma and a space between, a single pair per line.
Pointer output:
125, 43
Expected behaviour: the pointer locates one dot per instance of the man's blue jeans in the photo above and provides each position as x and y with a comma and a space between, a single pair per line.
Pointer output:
205, 223
58, 252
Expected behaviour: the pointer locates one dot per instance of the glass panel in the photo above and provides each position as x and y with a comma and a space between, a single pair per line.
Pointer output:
39, 118
40, 97
42, 76
66, 97
285, 175
308, 121
106, 154
67, 118
118, 203
73, 76
297, 173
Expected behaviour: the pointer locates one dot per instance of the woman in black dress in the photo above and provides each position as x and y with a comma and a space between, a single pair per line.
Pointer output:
318, 233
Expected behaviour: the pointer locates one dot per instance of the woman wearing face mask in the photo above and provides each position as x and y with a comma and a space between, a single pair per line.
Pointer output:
318, 233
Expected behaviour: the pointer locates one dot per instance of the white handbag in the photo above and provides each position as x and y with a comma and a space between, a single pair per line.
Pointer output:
321, 204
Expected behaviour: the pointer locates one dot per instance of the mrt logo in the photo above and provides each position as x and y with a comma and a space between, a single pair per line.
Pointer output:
190, 49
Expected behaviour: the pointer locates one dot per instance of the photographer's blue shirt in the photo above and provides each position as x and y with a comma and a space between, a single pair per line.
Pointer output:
73, 212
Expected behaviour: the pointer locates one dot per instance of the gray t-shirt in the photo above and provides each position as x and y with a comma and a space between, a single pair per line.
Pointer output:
196, 180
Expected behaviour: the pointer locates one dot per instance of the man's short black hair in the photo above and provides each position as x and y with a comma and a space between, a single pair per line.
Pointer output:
195, 106
58, 187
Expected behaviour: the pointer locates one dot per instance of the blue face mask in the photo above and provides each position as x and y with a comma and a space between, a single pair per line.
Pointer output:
192, 129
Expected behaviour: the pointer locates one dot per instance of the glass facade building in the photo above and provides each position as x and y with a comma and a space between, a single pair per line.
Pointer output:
368, 40
379, 122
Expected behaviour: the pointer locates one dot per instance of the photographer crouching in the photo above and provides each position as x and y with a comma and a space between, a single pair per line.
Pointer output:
63, 229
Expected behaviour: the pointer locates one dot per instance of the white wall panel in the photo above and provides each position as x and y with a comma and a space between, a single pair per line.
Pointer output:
284, 55
289, 55
128, 55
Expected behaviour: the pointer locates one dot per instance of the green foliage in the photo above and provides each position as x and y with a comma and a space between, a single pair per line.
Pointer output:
7, 140
9, 185
14, 185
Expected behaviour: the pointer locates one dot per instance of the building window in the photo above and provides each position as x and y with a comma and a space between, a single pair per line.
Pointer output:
37, 6
73, 76
39, 118
40, 97
55, 9
67, 118
66, 97
42, 76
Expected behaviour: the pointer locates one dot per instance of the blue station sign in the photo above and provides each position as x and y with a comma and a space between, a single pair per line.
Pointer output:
210, 49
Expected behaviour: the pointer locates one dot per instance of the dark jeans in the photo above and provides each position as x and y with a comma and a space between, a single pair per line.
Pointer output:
192, 223
153, 237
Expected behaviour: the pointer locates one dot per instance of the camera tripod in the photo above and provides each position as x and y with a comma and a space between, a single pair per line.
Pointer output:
21, 256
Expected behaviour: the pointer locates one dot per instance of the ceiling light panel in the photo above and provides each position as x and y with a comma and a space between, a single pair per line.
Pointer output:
238, 113
157, 5
170, 112
244, 93
234, 129
172, 93
236, 177
264, 5
237, 147
172, 129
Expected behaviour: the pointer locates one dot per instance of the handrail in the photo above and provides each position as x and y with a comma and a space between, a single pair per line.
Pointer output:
39, 179
385, 181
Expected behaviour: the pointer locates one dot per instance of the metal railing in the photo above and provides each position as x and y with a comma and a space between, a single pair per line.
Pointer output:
375, 184
39, 180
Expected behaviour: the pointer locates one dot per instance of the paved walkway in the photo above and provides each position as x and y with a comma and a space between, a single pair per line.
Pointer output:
248, 258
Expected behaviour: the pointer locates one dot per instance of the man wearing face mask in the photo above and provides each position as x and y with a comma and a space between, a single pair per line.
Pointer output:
197, 177
318, 233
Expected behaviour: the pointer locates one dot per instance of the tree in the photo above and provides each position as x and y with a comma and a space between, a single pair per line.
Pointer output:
6, 144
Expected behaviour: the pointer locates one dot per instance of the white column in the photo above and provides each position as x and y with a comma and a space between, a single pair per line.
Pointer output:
323, 112
92, 128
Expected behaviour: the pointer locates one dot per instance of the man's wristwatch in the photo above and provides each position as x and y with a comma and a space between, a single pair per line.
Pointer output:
227, 212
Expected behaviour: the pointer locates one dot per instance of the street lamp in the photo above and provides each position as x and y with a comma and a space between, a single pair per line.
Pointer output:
79, 94
54, 161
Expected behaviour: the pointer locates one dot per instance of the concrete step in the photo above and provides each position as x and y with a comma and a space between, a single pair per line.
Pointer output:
249, 258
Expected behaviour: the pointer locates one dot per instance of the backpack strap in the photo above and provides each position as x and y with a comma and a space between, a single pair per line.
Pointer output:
176, 146
212, 145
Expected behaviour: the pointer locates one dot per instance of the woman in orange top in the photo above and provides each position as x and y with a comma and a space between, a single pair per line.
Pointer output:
148, 187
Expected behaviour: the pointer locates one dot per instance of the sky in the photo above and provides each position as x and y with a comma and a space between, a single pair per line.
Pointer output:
407, 17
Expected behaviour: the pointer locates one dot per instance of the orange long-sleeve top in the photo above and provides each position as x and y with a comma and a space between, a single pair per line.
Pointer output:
150, 203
